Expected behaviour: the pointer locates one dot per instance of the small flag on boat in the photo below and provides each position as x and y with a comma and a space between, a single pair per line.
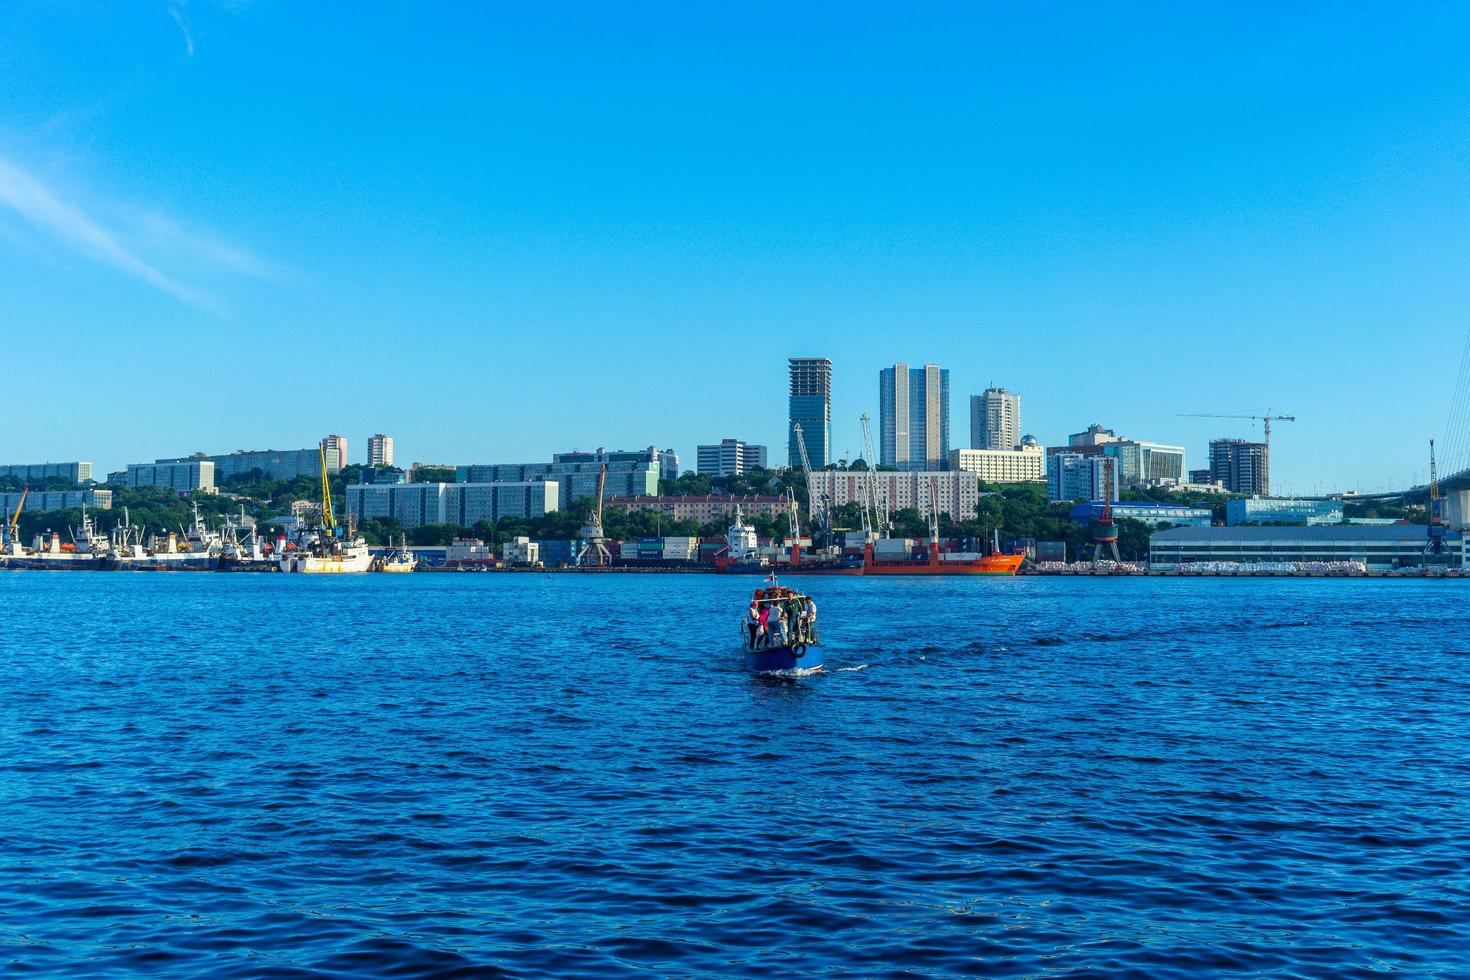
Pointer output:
771, 577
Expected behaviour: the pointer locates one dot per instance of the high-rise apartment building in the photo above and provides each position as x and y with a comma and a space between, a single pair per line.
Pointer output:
1074, 476
380, 450
1241, 466
913, 417
995, 420
339, 443
810, 406
730, 457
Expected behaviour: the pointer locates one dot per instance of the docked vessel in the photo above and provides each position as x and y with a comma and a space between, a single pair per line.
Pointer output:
196, 549
400, 559
742, 554
937, 561
86, 551
778, 632
12, 552
243, 550
329, 549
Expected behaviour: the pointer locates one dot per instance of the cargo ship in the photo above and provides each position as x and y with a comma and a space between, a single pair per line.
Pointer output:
86, 551
742, 556
937, 561
196, 550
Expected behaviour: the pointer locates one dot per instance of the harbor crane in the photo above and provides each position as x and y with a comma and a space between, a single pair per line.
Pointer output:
13, 527
1434, 549
878, 499
1104, 531
1266, 419
329, 516
816, 503
594, 551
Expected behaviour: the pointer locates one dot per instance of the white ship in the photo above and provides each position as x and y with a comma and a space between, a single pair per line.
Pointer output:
400, 559
329, 549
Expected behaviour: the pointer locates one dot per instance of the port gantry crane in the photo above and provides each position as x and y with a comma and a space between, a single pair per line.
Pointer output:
816, 504
1266, 419
1104, 531
329, 516
594, 550
1434, 548
881, 521
12, 528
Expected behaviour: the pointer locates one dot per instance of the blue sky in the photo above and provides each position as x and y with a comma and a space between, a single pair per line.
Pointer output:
500, 231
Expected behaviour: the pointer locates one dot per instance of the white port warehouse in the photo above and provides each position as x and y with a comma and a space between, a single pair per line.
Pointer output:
1377, 546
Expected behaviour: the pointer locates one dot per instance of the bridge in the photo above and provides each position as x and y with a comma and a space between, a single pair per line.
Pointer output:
1453, 447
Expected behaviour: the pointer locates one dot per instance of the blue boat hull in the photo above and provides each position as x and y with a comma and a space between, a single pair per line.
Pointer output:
781, 658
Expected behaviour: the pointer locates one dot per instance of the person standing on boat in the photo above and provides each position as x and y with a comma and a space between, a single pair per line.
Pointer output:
778, 625
752, 624
811, 619
763, 623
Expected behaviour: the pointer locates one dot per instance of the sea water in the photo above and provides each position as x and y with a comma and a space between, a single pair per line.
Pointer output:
570, 775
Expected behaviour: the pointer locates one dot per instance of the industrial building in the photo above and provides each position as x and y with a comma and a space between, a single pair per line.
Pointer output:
913, 417
730, 457
380, 450
1282, 510
183, 476
1074, 476
77, 473
44, 500
1024, 464
1241, 466
1377, 546
707, 508
465, 504
995, 420
955, 493
1147, 512
810, 406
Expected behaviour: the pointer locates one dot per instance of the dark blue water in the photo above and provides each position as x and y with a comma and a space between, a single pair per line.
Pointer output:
569, 776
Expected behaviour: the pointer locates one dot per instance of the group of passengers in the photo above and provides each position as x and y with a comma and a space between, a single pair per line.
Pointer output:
780, 617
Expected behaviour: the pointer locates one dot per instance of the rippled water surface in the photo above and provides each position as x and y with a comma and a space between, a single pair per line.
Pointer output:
567, 775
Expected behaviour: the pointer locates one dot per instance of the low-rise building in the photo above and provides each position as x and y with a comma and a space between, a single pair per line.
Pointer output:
1147, 512
520, 551
465, 504
44, 500
1282, 510
1377, 546
705, 508
1025, 464
954, 493
78, 473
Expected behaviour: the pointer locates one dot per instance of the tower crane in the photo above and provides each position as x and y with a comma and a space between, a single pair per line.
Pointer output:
595, 552
1266, 419
816, 503
329, 516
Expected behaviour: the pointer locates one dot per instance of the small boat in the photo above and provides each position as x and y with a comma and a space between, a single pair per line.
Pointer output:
400, 559
799, 647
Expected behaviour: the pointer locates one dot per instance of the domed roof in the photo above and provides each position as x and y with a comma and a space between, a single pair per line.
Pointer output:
1029, 441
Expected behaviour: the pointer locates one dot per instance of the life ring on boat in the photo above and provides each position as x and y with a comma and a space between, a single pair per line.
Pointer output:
799, 651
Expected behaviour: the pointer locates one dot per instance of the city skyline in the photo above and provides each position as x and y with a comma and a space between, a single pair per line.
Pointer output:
234, 186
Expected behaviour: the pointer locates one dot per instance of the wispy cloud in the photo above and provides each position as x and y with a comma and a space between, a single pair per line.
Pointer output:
65, 222
176, 11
